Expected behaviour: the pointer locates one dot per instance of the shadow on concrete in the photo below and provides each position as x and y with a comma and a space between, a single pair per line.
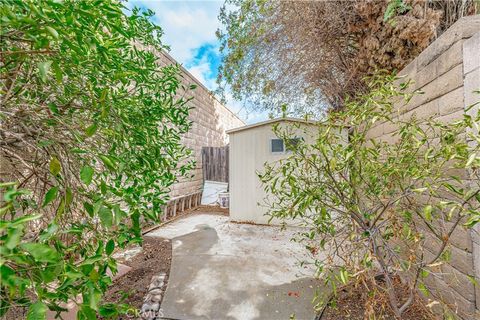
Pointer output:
207, 285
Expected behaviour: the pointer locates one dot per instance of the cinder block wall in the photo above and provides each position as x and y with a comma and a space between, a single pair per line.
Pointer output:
448, 72
210, 121
471, 71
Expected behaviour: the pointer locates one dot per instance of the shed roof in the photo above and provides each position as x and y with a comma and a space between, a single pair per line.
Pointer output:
271, 121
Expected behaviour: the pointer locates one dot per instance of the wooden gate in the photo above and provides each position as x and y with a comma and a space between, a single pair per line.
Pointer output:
215, 163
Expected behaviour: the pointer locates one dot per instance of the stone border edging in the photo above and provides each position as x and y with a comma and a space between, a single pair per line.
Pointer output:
151, 305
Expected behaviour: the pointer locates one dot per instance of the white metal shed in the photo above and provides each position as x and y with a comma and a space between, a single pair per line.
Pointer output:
250, 147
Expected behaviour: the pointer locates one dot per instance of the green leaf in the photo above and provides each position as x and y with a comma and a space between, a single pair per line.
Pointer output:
424, 273
58, 72
108, 162
94, 275
49, 232
106, 217
90, 131
19, 221
110, 247
45, 143
86, 174
4, 304
423, 289
107, 310
6, 272
52, 31
14, 235
41, 252
390, 10
446, 255
89, 208
13, 193
138, 136
53, 108
470, 160
50, 195
37, 311
8, 184
68, 196
344, 276
119, 214
43, 68
86, 313
427, 212
60, 209
92, 297
473, 220
103, 187
55, 166
453, 188
473, 280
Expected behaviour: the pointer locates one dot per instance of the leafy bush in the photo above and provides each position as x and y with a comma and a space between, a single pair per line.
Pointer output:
90, 144
374, 206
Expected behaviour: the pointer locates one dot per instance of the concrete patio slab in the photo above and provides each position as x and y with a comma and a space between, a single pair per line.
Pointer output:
224, 270
188, 225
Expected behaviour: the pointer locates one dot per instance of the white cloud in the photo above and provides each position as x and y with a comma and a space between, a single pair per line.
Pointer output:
187, 24
201, 71
189, 29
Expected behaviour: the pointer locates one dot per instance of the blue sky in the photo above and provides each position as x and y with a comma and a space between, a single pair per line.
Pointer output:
189, 27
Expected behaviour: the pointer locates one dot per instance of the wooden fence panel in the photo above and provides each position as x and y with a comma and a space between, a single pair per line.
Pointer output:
215, 163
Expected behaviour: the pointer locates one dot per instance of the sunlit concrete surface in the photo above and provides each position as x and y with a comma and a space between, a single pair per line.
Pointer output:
225, 270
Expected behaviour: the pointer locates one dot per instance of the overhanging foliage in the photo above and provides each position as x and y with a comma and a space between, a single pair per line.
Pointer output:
311, 55
90, 144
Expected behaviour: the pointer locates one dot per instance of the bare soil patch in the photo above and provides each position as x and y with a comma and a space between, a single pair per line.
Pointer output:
211, 210
132, 287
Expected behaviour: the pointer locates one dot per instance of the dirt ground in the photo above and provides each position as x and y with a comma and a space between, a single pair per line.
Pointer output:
132, 287
351, 305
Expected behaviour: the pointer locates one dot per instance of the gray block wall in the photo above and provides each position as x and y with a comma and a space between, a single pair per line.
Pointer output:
448, 72
210, 121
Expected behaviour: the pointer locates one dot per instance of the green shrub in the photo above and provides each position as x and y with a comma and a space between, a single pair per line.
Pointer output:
90, 144
374, 206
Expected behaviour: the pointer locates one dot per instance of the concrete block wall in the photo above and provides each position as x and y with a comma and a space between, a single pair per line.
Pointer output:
448, 72
210, 121
471, 70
